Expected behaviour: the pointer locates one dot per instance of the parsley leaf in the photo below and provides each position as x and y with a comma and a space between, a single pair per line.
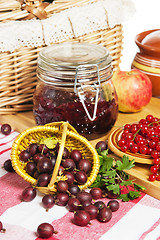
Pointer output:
125, 164
113, 178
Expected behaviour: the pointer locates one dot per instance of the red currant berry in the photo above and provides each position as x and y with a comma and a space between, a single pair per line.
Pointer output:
153, 169
127, 126
144, 129
155, 121
152, 177
158, 128
143, 149
156, 161
155, 154
124, 148
158, 146
150, 133
129, 136
150, 151
134, 128
135, 148
138, 138
121, 142
141, 143
158, 177
152, 144
149, 118
130, 144
144, 122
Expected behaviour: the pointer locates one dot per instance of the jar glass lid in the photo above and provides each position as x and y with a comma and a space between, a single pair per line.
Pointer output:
71, 55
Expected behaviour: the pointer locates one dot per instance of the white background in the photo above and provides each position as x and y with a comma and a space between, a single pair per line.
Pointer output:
146, 17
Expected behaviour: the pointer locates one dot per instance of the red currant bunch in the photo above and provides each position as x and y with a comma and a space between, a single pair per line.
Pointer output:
143, 138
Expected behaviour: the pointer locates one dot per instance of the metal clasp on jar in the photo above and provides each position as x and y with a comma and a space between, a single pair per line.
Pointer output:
80, 85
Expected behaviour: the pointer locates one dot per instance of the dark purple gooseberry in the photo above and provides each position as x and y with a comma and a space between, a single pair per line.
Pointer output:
31, 168
65, 151
43, 180
81, 177
37, 157
62, 199
96, 193
45, 165
53, 159
33, 148
81, 218
43, 149
6, 129
68, 164
8, 166
2, 230
62, 186
85, 165
70, 177
73, 189
102, 145
84, 196
28, 194
104, 215
112, 195
45, 230
48, 201
100, 204
24, 155
85, 204
76, 155
61, 169
113, 205
92, 210
73, 204
36, 174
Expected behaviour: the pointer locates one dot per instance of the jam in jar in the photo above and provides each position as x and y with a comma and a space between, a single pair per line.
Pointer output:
74, 85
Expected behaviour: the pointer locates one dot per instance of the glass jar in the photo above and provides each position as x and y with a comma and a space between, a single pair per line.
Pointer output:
74, 85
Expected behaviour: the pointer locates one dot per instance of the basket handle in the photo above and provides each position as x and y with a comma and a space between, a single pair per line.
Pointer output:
34, 8
59, 157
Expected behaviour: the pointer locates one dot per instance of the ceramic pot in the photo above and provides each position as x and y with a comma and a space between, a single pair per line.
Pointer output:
148, 58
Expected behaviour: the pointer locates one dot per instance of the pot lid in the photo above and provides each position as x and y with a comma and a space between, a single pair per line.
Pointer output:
152, 39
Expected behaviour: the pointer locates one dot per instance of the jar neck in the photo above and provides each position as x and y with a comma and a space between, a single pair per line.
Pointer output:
86, 75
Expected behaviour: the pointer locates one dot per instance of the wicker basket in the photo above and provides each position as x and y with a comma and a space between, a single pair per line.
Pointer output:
18, 74
67, 137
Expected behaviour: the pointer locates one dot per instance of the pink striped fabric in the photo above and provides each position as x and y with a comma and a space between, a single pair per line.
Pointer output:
12, 185
150, 229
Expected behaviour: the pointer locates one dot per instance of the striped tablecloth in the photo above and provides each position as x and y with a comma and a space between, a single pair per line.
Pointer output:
135, 220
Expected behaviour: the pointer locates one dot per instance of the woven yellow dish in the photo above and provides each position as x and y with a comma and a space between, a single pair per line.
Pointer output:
67, 137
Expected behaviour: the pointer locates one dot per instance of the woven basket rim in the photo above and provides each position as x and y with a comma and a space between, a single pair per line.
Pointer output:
55, 130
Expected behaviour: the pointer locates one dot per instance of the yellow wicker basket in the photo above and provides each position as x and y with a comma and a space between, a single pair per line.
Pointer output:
18, 68
67, 137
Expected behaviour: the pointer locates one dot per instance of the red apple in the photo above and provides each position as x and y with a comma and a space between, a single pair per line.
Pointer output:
134, 90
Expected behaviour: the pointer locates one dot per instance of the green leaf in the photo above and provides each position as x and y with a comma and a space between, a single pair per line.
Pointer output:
138, 187
134, 194
104, 153
107, 164
114, 187
124, 197
126, 183
110, 180
111, 173
101, 160
125, 164
49, 142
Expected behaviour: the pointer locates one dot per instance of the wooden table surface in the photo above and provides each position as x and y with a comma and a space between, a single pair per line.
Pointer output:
140, 172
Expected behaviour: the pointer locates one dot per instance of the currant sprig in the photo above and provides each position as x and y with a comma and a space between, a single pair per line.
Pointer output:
144, 138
